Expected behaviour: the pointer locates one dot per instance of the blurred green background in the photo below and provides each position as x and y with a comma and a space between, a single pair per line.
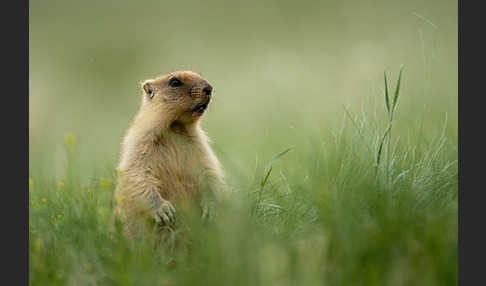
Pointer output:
279, 69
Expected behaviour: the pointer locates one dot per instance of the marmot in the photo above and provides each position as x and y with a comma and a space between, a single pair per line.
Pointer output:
165, 157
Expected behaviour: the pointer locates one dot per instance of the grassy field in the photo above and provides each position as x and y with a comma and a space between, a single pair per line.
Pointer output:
361, 197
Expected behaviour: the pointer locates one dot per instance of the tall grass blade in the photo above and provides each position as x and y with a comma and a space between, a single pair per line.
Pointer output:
380, 148
387, 100
266, 174
397, 89
268, 168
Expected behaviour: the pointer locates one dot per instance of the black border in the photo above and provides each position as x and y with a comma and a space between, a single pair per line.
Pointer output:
471, 238
14, 117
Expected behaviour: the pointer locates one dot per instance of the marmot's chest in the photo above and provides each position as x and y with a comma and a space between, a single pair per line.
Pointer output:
180, 170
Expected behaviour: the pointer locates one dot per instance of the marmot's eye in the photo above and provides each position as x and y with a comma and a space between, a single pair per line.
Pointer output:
174, 82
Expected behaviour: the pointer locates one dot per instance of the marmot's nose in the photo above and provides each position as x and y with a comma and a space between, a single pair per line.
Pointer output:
207, 88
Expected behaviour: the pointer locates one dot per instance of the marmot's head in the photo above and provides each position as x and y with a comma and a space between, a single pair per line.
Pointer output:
180, 96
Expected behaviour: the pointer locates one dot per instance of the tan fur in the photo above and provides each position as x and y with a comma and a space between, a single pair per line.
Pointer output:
165, 156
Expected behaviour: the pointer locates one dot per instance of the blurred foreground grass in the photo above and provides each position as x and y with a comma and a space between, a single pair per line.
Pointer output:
306, 75
326, 215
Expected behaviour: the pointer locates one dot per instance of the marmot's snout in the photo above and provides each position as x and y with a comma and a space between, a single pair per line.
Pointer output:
201, 90
202, 93
207, 88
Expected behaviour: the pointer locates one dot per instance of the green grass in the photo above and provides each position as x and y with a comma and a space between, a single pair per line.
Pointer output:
334, 215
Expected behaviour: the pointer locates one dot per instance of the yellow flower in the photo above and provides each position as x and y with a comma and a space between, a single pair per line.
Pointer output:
59, 216
60, 185
69, 139
44, 200
105, 182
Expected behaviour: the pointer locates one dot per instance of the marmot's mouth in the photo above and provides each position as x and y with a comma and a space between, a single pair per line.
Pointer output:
200, 108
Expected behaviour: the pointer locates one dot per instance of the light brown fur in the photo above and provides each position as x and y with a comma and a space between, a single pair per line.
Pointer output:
165, 157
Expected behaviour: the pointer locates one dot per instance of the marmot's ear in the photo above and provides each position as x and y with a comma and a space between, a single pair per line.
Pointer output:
148, 88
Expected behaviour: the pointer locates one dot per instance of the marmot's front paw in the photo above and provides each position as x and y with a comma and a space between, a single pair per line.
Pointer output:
165, 214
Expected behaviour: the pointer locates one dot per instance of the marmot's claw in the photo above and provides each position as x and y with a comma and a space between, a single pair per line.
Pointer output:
165, 214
